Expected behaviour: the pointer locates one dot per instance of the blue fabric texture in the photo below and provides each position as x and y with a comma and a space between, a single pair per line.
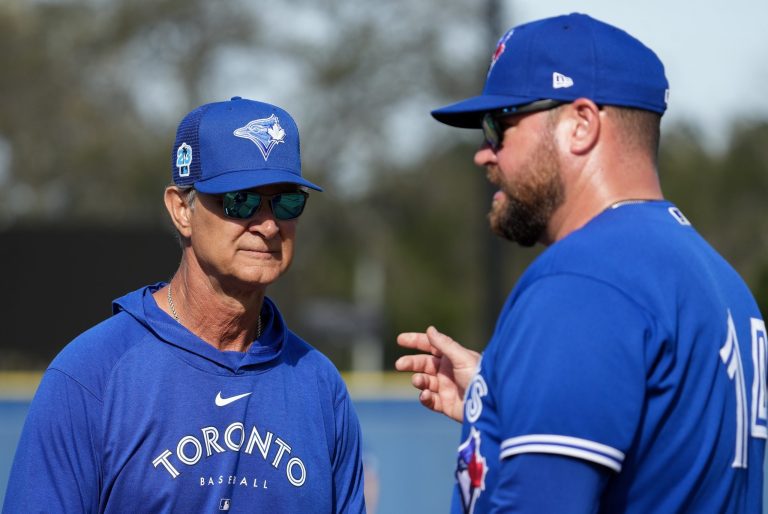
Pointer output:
633, 346
139, 415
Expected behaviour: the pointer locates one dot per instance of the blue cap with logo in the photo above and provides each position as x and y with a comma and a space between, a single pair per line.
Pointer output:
235, 145
564, 58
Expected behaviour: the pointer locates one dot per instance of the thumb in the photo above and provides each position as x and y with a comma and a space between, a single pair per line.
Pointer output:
456, 353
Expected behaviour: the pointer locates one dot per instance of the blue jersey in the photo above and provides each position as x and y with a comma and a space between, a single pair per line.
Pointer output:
140, 415
633, 346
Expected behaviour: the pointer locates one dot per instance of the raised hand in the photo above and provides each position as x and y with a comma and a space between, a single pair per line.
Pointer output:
442, 372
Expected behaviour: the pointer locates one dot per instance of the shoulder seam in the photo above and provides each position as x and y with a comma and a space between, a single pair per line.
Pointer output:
76, 381
609, 285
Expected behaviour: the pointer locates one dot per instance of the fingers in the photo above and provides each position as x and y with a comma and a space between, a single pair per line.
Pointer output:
430, 400
418, 364
441, 372
425, 382
433, 341
457, 354
433, 402
435, 345
415, 341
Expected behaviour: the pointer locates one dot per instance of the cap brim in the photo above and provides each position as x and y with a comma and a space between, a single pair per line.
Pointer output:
249, 179
469, 113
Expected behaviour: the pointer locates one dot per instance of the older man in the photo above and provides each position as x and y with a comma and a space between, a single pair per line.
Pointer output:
195, 396
627, 370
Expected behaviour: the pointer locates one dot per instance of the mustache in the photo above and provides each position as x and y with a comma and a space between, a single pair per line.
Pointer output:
493, 175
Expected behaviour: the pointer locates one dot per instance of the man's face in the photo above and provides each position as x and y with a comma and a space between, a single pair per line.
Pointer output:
242, 253
527, 171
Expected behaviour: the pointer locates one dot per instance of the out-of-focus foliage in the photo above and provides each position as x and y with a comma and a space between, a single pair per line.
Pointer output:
75, 145
724, 195
92, 90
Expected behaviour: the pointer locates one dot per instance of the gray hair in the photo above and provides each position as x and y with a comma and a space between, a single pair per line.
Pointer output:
190, 195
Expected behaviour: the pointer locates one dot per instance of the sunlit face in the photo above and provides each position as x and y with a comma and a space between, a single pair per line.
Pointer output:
250, 252
527, 171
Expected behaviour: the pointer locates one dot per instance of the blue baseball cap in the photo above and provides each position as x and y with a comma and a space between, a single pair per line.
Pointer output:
565, 58
235, 145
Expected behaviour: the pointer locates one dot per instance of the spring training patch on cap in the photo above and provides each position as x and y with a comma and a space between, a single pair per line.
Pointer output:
183, 159
266, 133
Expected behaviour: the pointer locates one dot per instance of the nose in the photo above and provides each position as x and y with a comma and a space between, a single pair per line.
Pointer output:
264, 222
485, 155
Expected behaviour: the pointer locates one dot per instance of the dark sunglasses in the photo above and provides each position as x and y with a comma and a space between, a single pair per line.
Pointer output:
241, 205
493, 131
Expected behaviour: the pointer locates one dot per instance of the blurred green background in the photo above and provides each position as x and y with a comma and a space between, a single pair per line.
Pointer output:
92, 90
91, 93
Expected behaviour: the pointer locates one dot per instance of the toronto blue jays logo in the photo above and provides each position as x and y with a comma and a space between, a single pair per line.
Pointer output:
266, 133
471, 469
183, 159
500, 47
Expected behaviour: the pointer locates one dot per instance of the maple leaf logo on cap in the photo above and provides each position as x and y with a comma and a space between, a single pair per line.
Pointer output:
266, 133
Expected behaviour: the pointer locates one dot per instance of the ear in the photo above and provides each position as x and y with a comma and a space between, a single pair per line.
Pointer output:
585, 129
179, 209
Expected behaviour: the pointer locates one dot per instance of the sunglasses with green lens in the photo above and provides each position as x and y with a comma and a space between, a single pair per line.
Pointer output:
241, 205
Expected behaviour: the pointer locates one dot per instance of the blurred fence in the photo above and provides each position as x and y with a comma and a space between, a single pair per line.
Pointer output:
57, 282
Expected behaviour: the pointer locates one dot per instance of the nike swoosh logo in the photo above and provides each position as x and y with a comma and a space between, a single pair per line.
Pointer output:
221, 402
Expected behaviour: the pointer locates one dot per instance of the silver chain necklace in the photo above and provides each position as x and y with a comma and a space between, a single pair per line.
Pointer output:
170, 303
622, 203
176, 316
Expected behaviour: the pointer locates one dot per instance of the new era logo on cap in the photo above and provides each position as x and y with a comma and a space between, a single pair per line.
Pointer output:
559, 80
603, 63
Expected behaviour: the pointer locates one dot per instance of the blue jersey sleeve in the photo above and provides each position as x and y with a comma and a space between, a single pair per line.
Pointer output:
535, 483
56, 467
347, 459
571, 380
